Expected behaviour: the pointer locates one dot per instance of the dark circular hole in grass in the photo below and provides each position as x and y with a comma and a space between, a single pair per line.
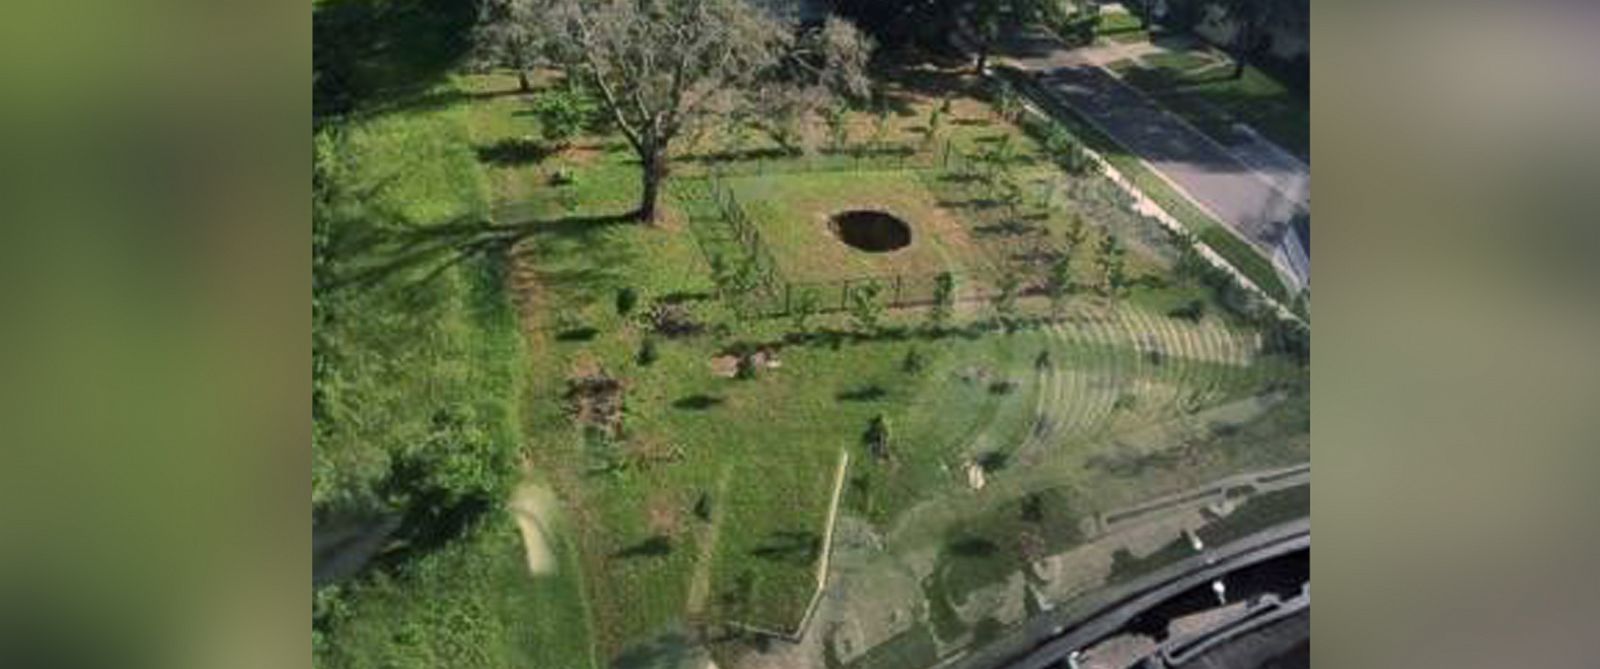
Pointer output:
870, 231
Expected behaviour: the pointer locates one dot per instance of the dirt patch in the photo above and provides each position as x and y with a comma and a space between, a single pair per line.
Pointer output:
663, 514
595, 399
583, 154
727, 365
534, 508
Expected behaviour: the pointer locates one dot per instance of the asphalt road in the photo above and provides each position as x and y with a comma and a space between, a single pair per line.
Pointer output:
1255, 194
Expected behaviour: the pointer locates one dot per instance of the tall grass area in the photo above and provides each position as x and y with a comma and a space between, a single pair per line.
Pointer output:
417, 393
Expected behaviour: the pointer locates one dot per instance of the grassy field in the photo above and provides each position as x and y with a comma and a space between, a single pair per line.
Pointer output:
1200, 88
701, 500
793, 212
419, 360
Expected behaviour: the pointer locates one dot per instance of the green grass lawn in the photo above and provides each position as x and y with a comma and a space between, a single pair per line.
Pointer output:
1121, 27
414, 324
792, 214
716, 513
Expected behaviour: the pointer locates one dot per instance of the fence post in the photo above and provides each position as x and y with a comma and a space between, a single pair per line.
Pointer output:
844, 295
945, 162
788, 289
897, 291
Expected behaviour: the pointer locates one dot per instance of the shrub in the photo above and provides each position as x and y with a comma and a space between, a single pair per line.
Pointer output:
878, 436
805, 306
673, 320
865, 307
647, 352
627, 298
562, 114
1289, 339
915, 361
747, 367
702, 507
1193, 311
944, 299
1005, 303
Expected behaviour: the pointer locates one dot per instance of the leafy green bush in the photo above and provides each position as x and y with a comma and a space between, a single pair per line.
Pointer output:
1193, 311
562, 114
627, 299
747, 366
878, 436
865, 307
647, 352
915, 361
944, 299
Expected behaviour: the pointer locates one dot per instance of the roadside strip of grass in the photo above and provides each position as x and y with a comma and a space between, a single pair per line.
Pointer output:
1200, 90
1121, 27
1236, 251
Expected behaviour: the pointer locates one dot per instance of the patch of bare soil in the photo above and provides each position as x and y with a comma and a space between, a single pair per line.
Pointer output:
595, 399
663, 514
583, 154
727, 365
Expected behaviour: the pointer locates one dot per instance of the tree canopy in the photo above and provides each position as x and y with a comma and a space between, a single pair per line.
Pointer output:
659, 67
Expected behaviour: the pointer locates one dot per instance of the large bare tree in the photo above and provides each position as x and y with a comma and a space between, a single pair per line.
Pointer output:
660, 66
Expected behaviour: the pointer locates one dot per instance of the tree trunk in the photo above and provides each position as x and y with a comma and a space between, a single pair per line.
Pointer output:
1246, 41
654, 172
522, 81
983, 58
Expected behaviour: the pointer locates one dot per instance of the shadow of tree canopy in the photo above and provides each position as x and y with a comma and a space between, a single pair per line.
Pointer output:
699, 402
383, 52
974, 547
795, 547
655, 546
514, 151
373, 249
867, 393
670, 650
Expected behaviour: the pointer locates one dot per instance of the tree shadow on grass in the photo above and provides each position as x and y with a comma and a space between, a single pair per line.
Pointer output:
868, 393
581, 333
514, 152
972, 547
655, 546
369, 56
376, 252
700, 402
795, 547
670, 650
